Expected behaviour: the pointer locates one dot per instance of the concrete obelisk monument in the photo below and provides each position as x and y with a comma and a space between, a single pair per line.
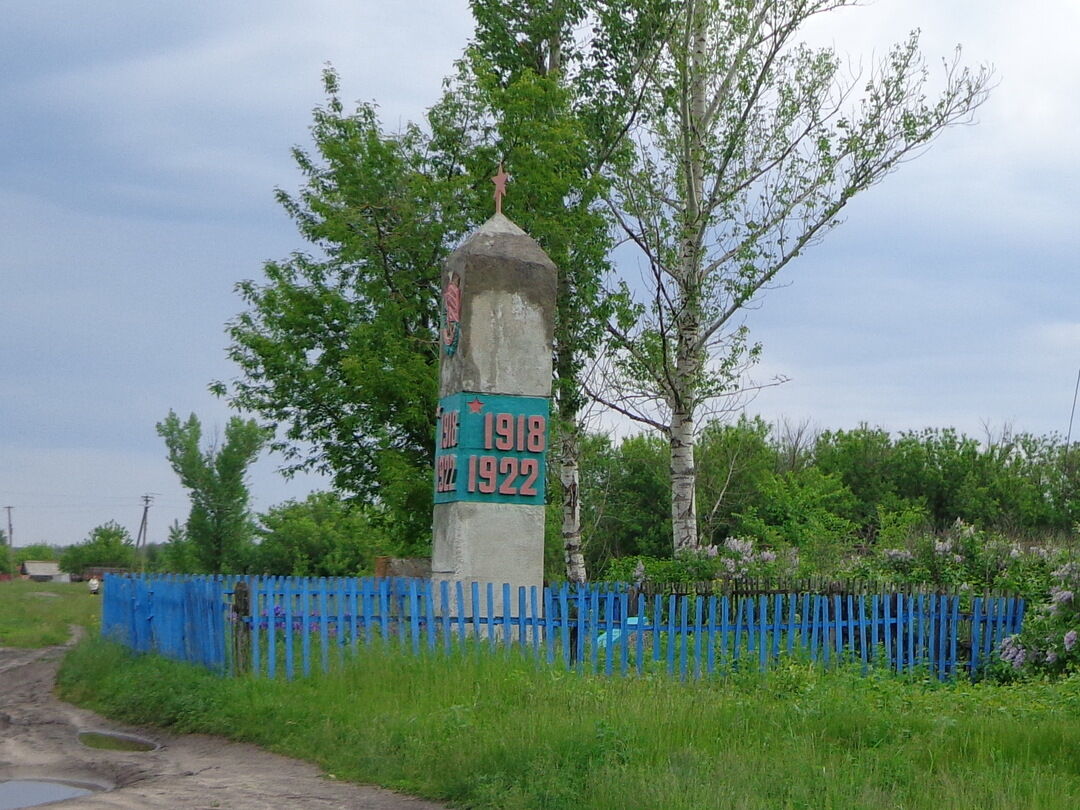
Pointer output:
491, 437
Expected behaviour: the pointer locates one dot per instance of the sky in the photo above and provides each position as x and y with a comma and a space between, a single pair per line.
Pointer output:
142, 144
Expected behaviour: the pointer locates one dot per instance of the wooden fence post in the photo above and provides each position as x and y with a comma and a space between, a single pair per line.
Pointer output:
241, 609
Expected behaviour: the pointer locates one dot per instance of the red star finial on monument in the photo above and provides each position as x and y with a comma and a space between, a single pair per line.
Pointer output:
500, 187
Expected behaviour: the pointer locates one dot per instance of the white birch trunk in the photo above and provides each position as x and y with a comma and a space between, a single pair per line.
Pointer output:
569, 475
683, 397
683, 484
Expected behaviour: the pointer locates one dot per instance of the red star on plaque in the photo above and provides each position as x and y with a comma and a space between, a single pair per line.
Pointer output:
475, 405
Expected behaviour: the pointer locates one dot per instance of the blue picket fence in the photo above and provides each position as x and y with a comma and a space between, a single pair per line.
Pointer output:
291, 626
179, 617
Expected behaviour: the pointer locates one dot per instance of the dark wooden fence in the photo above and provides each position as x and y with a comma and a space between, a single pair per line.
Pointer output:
284, 627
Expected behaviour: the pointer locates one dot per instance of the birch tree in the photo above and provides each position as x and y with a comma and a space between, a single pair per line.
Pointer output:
749, 146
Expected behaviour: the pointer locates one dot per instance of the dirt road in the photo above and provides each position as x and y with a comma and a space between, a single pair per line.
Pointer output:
38, 740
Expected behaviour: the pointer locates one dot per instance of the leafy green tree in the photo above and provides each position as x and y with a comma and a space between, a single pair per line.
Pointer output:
624, 490
339, 349
108, 546
865, 459
748, 147
944, 469
177, 555
560, 106
219, 526
35, 551
805, 510
322, 536
734, 462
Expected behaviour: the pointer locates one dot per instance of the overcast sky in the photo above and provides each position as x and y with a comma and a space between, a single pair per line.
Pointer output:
141, 144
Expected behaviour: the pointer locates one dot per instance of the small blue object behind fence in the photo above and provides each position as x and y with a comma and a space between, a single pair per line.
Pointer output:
284, 627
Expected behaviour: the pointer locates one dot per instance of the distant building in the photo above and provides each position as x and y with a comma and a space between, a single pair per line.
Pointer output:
39, 571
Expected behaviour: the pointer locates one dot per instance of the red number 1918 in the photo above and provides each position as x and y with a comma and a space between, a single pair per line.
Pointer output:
523, 434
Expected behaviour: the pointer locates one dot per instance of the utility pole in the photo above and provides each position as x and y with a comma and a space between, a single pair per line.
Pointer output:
1068, 461
140, 540
10, 536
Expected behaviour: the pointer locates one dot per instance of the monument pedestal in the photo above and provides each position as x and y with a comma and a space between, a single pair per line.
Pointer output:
494, 388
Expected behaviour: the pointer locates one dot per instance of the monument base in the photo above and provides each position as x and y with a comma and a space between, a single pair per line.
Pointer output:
485, 542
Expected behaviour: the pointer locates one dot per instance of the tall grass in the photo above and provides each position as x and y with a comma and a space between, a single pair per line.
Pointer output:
38, 614
496, 731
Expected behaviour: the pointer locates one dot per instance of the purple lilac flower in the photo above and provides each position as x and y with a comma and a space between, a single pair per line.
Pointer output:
943, 547
1012, 652
1070, 640
743, 548
1051, 657
1068, 571
898, 555
767, 556
963, 529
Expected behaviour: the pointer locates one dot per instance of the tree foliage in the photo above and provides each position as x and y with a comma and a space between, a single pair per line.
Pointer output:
177, 554
322, 536
108, 546
35, 551
625, 495
848, 490
219, 526
338, 348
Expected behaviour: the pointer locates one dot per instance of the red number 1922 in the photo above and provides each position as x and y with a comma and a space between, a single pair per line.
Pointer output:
489, 475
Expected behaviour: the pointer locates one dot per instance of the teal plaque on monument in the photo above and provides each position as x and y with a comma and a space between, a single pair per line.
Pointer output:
491, 448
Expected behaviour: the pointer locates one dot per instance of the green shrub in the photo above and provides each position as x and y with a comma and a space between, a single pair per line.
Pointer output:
732, 559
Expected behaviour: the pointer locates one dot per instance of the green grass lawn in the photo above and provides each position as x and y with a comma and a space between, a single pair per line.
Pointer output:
38, 614
495, 731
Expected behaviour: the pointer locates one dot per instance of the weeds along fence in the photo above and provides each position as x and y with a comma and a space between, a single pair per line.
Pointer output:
285, 627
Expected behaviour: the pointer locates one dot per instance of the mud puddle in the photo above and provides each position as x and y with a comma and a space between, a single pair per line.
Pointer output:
31, 792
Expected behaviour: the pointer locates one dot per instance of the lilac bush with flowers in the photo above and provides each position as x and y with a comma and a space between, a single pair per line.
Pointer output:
961, 558
734, 558
1048, 643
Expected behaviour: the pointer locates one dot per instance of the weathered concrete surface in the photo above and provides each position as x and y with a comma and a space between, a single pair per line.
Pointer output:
489, 542
38, 740
507, 320
507, 314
